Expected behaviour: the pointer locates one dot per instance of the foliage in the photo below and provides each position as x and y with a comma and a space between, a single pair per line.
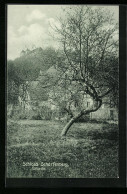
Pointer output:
37, 92
85, 65
35, 113
12, 83
25, 70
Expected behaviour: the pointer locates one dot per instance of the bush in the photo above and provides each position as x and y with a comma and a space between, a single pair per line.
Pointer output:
97, 121
15, 112
36, 117
22, 116
84, 118
40, 113
45, 113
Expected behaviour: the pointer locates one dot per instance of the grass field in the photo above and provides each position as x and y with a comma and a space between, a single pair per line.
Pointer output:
90, 150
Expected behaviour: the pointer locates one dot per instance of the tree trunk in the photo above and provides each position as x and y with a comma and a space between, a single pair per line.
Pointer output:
72, 120
68, 125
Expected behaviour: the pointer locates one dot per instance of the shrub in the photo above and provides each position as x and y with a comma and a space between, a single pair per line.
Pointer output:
45, 113
84, 118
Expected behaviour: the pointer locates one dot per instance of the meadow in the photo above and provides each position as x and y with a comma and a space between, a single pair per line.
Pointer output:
90, 150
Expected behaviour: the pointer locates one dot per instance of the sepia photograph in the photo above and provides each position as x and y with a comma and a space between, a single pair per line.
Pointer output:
62, 91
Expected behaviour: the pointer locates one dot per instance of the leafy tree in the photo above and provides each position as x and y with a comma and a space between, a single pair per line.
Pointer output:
13, 83
27, 69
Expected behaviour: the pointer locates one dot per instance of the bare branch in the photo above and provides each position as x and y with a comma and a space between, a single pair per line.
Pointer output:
106, 93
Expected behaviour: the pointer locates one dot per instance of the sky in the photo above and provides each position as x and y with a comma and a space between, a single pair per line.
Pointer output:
29, 26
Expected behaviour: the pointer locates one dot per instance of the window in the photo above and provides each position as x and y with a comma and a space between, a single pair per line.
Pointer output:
88, 104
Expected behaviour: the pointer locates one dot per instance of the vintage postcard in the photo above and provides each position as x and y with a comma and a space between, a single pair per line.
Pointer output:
62, 91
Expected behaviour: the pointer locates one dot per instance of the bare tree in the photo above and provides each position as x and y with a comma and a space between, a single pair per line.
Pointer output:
89, 38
